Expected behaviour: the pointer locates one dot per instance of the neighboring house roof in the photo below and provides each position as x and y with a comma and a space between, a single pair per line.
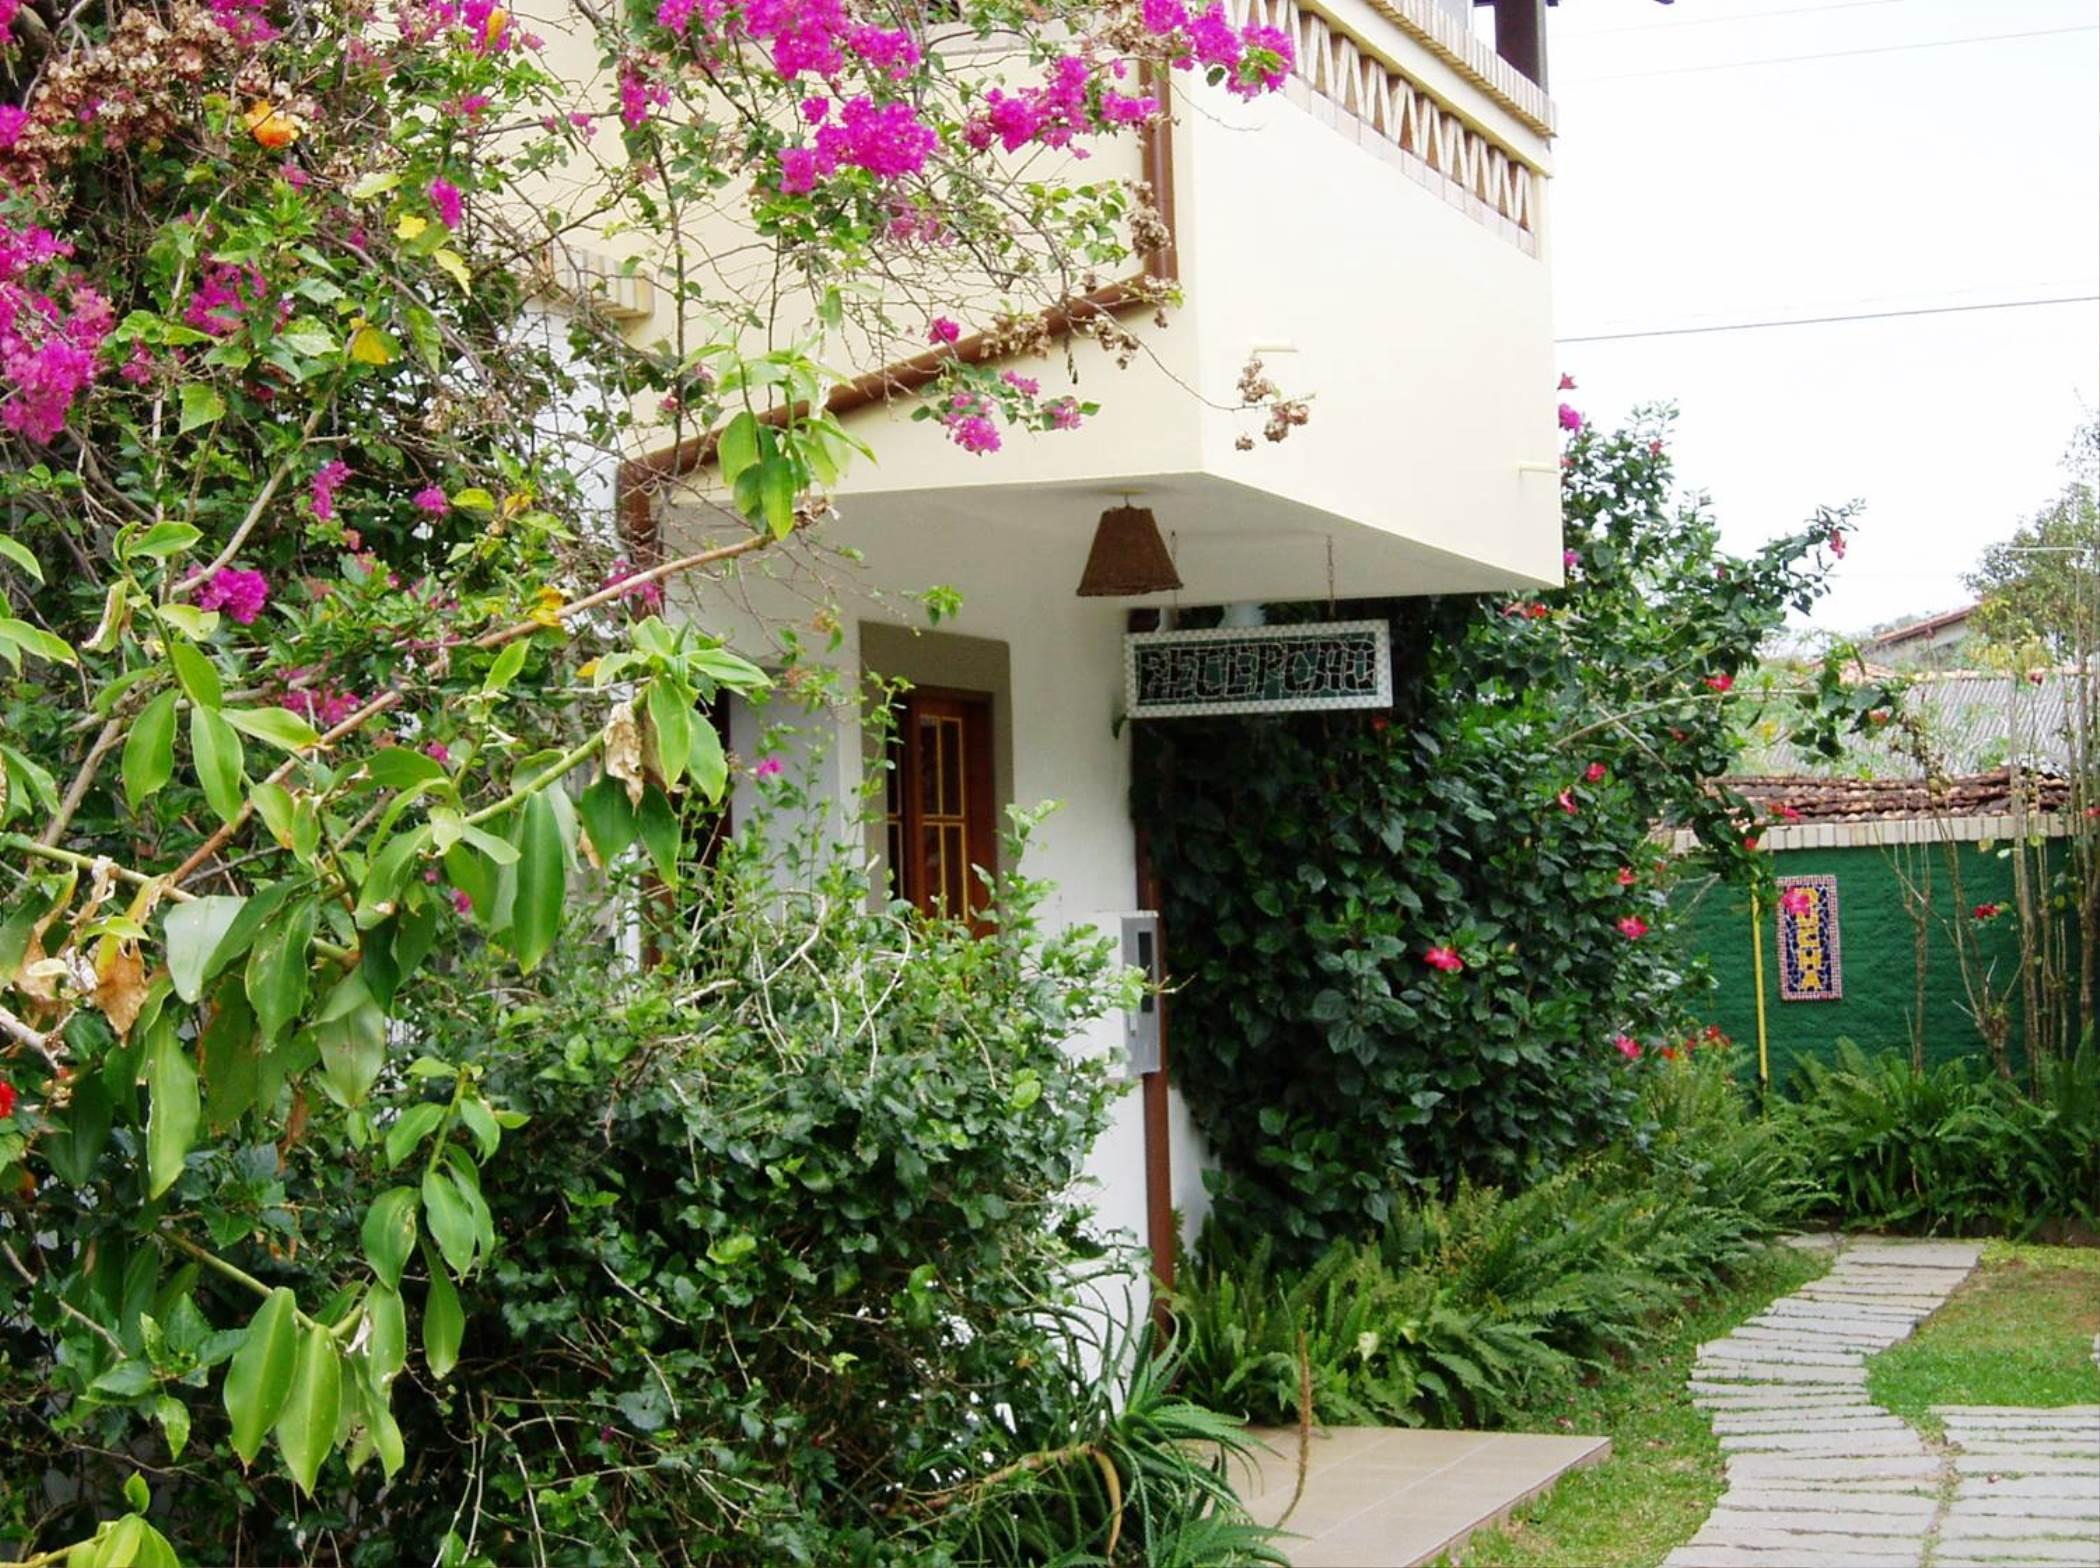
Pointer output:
1975, 723
1930, 626
1880, 800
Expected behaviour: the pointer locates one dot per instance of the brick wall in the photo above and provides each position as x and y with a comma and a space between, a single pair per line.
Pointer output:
1876, 943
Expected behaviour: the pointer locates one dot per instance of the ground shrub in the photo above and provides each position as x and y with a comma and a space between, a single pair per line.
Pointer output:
1952, 1150
787, 1267
1467, 1310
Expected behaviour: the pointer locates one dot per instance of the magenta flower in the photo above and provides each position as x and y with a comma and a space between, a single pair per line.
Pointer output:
798, 171
1629, 1047
462, 904
1632, 927
450, 205
1444, 958
1567, 802
974, 433
1064, 413
1027, 386
241, 595
1797, 901
769, 767
326, 482
1569, 418
1596, 772
1569, 560
1567, 382
942, 330
437, 751
432, 499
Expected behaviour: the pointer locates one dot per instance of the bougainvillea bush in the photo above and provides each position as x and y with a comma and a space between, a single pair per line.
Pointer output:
328, 696
1426, 945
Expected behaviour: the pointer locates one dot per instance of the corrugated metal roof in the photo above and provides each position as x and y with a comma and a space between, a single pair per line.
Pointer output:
1977, 723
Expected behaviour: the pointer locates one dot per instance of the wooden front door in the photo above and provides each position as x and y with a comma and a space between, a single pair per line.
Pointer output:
940, 804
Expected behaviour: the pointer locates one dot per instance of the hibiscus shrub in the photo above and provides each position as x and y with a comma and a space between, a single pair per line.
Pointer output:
1421, 946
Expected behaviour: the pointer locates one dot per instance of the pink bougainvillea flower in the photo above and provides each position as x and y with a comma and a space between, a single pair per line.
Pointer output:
1444, 958
1626, 877
437, 751
461, 904
1064, 413
942, 330
1632, 927
1027, 386
1569, 418
1567, 382
1797, 901
648, 593
1629, 1047
1567, 802
1569, 560
769, 767
1595, 772
241, 595
975, 433
433, 500
326, 482
7, 1099
1720, 683
447, 202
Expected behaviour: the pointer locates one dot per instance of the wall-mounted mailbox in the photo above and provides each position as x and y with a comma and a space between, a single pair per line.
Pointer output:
1141, 1024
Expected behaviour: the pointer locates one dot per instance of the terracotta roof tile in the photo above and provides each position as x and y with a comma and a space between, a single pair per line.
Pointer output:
1866, 800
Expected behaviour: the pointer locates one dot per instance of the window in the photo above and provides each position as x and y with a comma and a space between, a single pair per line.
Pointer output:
940, 805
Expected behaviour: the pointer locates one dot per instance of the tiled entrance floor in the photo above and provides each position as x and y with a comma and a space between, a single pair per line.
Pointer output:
1376, 1497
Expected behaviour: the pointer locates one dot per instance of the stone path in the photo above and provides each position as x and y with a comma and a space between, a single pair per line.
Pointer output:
1818, 1475
1821, 1477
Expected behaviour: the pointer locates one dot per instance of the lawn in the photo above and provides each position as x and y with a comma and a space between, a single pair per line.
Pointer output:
2020, 1332
1664, 1471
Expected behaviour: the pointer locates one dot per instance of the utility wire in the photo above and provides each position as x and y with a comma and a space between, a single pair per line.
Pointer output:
1829, 54
1819, 321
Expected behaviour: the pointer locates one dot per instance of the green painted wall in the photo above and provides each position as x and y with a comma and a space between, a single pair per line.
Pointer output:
1877, 946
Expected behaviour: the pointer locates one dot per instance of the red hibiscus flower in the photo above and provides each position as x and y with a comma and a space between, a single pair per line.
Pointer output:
1444, 958
1632, 927
1595, 772
1626, 877
1988, 911
7, 1099
1720, 683
1567, 802
1629, 1047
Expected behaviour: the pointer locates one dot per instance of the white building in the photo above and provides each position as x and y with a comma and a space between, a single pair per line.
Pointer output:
1377, 235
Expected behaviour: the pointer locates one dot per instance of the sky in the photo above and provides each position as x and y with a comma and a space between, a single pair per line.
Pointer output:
1923, 158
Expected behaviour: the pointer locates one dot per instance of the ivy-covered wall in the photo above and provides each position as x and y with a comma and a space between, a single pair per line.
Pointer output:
1877, 949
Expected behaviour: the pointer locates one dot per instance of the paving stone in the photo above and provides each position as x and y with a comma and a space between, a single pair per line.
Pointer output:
1753, 1354
1944, 1255
1836, 1535
1830, 1447
2020, 1554
1999, 1528
2027, 1464
2061, 1505
1780, 1372
1858, 1426
1905, 1471
2019, 1413
1913, 1506
2084, 1487
2063, 1448
1700, 1556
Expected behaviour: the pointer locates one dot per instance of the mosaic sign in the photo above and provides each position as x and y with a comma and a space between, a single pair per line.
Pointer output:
1258, 669
1809, 969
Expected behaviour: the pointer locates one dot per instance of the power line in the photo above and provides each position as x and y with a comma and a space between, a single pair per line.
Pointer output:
1830, 54
1819, 321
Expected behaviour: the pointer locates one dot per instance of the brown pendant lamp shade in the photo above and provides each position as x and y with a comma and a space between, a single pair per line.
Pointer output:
1128, 557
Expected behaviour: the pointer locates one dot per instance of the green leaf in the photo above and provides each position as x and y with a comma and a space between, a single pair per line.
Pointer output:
386, 1349
776, 495
390, 1229
738, 448
171, 1122
401, 767
380, 891
216, 750
163, 540
82, 1132
149, 752
277, 726
260, 1377
174, 1418
657, 822
232, 1063
278, 969
706, 765
444, 1325
135, 1492
670, 710
193, 934
35, 640
451, 1220
608, 817
474, 876
198, 675
508, 663
306, 1427
18, 553
542, 882
201, 405
247, 925
274, 804
351, 1034
500, 850
474, 500
411, 1128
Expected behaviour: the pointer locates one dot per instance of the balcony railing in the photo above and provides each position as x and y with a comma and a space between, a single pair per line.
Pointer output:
1341, 80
